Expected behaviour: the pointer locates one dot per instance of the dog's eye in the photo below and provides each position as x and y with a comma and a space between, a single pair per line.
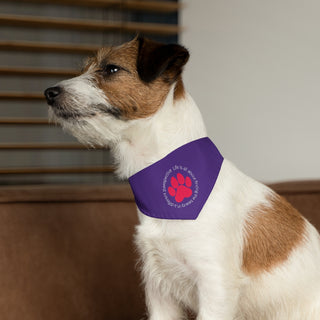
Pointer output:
110, 69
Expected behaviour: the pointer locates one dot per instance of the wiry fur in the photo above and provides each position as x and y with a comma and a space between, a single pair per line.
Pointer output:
199, 264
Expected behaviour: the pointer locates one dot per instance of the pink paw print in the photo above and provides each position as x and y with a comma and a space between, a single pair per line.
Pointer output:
180, 187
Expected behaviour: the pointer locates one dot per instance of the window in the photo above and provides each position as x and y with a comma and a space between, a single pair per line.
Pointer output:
43, 42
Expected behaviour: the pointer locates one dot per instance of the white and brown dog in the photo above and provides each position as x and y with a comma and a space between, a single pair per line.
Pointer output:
249, 254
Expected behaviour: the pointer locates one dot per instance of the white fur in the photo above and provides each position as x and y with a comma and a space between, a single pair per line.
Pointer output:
197, 264
83, 96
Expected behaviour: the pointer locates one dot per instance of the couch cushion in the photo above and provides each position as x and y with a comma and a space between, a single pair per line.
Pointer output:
67, 253
303, 195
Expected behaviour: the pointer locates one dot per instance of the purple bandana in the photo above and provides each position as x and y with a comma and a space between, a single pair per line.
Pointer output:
178, 186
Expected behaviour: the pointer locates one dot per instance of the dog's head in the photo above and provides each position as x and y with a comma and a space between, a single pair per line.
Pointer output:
118, 85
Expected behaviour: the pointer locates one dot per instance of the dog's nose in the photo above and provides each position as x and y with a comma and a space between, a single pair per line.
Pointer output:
51, 94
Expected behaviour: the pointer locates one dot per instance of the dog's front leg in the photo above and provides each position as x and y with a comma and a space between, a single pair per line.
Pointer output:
161, 307
217, 295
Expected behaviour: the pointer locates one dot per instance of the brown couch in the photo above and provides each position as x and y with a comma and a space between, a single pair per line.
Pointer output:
66, 252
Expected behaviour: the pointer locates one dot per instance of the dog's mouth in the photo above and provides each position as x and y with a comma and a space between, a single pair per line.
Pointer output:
61, 112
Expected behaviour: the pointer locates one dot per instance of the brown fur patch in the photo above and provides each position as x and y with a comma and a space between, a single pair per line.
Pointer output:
125, 90
179, 92
271, 233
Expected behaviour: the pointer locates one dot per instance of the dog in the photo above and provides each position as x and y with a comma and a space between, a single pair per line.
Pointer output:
248, 254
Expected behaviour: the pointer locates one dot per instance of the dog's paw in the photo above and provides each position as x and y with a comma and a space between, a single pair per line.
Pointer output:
180, 187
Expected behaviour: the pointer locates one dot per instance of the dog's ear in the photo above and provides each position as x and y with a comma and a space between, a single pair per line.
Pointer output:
157, 59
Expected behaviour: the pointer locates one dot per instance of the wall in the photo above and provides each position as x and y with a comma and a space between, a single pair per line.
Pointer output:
255, 74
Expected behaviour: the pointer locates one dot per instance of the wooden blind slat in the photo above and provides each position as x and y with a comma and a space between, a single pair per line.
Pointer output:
150, 28
38, 72
21, 96
24, 121
89, 25
156, 6
61, 170
48, 47
47, 146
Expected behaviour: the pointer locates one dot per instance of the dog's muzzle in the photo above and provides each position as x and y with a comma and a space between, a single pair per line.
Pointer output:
52, 94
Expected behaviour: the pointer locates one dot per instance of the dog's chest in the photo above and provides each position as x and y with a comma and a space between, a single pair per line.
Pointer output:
165, 265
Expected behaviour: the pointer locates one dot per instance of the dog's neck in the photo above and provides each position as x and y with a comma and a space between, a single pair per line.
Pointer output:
149, 140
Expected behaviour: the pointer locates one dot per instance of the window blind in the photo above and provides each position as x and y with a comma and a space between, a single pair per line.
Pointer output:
43, 42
